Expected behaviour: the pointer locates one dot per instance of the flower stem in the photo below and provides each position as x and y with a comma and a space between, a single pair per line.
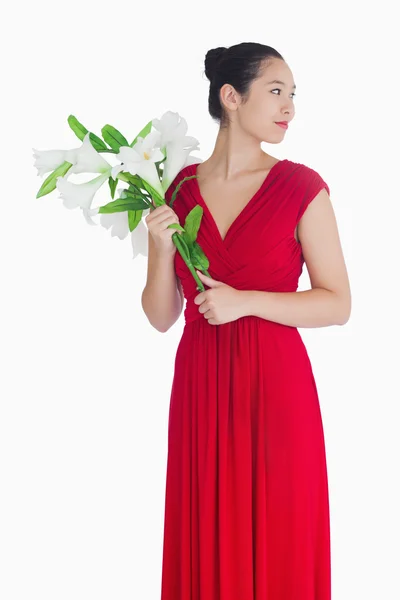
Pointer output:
182, 251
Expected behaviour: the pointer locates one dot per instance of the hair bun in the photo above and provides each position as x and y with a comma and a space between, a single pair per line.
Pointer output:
213, 56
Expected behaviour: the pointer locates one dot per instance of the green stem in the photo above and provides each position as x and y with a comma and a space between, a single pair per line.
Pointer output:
182, 251
123, 177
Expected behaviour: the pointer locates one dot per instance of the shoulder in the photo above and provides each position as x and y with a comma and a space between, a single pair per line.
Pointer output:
307, 177
302, 168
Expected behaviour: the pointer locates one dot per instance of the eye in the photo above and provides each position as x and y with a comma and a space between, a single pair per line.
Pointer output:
279, 90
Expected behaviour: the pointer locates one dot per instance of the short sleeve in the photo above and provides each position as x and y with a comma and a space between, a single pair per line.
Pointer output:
313, 185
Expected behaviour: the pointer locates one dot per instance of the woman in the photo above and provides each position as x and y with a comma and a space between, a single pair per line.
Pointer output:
247, 503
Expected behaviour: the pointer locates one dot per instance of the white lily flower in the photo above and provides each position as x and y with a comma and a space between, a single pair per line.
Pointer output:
84, 159
119, 225
140, 160
80, 195
48, 160
178, 159
140, 238
178, 145
172, 127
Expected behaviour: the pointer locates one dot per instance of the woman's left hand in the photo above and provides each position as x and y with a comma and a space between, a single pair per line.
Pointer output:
220, 304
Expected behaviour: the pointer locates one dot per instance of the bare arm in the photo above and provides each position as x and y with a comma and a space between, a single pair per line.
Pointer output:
329, 300
162, 297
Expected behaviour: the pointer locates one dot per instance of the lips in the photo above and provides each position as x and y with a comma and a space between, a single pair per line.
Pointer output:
283, 124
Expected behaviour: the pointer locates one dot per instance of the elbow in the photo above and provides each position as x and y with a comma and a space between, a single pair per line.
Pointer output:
343, 320
344, 312
161, 321
166, 327
158, 325
163, 329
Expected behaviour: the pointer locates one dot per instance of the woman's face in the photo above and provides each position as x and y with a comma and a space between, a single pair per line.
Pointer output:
268, 102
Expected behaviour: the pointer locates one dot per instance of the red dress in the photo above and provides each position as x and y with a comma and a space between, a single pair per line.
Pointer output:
246, 498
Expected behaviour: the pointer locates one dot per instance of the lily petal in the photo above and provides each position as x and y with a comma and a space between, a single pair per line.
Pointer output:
128, 154
48, 160
115, 170
140, 239
84, 159
156, 155
147, 170
151, 140
118, 222
87, 216
177, 159
81, 195
88, 160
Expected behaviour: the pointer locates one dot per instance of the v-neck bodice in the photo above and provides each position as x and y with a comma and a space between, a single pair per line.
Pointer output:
259, 250
253, 198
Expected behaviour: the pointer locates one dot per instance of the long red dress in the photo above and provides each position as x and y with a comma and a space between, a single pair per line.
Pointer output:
246, 499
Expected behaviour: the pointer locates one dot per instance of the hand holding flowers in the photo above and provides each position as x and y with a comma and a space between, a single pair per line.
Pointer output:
158, 222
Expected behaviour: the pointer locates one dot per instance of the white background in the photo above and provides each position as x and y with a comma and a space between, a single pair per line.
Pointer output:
85, 379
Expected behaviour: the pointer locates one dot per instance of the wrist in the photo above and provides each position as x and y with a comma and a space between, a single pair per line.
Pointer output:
165, 256
247, 303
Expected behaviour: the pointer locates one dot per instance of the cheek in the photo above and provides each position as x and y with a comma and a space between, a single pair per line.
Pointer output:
257, 116
261, 117
259, 112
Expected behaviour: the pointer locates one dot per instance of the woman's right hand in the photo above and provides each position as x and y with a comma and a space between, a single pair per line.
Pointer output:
157, 221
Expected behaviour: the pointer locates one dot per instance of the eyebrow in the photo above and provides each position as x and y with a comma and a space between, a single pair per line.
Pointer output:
280, 82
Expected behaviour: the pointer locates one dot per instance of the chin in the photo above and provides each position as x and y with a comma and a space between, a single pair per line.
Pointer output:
272, 141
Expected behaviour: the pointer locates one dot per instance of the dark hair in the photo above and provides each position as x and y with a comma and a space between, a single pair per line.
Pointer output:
238, 65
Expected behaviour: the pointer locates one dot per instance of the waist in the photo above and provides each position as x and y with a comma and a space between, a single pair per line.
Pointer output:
195, 319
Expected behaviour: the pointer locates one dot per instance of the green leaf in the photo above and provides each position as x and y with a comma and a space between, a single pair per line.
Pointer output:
199, 259
98, 143
50, 183
80, 131
176, 226
134, 195
158, 200
192, 223
145, 131
77, 127
136, 180
131, 193
185, 246
122, 204
134, 218
133, 180
113, 186
113, 137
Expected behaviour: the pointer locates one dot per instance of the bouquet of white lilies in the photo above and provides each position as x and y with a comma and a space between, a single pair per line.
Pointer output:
148, 166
